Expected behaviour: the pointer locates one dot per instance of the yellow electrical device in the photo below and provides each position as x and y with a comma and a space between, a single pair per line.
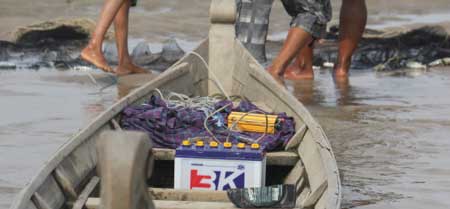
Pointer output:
252, 122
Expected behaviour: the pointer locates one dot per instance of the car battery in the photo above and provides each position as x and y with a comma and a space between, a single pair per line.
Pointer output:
214, 166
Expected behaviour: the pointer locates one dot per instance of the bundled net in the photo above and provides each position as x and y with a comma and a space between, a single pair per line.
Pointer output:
168, 120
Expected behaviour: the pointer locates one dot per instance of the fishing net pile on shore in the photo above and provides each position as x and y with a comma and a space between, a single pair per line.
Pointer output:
168, 122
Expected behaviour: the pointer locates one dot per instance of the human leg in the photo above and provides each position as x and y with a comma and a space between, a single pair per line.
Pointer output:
92, 53
309, 22
353, 18
296, 40
126, 65
302, 67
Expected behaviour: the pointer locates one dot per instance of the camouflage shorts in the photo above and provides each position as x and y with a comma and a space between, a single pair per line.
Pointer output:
310, 15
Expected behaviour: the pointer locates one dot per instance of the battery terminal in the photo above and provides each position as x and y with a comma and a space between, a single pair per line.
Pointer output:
227, 145
255, 146
186, 143
199, 143
213, 144
240, 145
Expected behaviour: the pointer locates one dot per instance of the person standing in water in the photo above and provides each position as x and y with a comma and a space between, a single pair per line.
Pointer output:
309, 22
352, 22
117, 11
252, 28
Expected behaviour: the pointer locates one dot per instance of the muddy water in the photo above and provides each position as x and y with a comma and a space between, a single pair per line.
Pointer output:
390, 134
39, 112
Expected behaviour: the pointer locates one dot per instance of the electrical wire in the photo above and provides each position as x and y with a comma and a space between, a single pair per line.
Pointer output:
247, 113
214, 77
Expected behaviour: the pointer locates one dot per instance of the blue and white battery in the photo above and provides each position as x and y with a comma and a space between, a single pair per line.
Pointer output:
220, 167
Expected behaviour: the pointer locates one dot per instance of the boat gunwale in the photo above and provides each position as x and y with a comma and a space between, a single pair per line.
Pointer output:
320, 138
24, 196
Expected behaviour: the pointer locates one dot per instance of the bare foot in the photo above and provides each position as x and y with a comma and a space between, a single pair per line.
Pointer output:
137, 69
340, 72
341, 69
276, 75
341, 82
293, 72
129, 68
95, 57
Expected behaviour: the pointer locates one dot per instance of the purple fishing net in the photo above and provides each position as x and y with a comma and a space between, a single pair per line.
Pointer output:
167, 126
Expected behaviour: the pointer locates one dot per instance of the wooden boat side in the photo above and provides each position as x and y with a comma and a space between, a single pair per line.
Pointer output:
84, 140
313, 146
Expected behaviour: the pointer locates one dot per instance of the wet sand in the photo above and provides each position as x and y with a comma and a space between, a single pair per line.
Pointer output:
389, 134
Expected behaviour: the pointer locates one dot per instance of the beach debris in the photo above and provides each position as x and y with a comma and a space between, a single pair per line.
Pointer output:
142, 54
142, 49
379, 67
393, 49
446, 61
402, 73
328, 65
56, 32
3, 55
436, 63
110, 52
50, 56
59, 42
7, 66
415, 65
171, 51
39, 65
9, 50
440, 62
45, 64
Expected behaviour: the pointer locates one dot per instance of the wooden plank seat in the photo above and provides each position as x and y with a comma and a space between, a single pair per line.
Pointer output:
187, 195
282, 158
93, 203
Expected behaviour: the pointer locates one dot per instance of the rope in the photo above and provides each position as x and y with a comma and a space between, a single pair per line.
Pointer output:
214, 77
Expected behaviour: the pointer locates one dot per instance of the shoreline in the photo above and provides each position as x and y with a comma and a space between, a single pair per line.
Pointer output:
157, 20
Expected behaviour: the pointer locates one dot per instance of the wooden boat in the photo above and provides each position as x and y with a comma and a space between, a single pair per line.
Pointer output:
69, 179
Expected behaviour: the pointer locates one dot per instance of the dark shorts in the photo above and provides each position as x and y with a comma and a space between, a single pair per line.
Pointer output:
133, 3
310, 15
